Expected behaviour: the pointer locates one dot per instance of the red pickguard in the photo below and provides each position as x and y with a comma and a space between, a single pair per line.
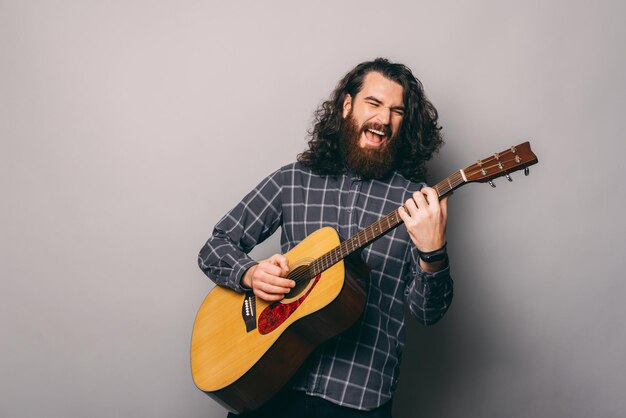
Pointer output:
277, 313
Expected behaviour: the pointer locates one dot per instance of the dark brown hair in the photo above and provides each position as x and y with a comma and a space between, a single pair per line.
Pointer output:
419, 135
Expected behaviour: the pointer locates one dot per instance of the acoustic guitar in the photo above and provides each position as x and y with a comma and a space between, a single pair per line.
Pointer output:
244, 349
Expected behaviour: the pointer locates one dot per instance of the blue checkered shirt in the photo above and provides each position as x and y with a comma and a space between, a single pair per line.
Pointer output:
360, 368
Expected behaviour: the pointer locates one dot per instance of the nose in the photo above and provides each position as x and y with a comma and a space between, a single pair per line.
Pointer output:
384, 115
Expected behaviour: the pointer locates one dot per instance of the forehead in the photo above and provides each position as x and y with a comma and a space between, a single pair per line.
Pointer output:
377, 85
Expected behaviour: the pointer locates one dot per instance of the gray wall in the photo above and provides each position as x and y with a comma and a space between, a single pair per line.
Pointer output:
128, 128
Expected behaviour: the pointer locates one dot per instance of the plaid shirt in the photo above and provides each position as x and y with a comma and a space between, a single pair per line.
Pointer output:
359, 368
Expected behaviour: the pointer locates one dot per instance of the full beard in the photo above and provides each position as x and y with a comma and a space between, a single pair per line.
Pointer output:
368, 163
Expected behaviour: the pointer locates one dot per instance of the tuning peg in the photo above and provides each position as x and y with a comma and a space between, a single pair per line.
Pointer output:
508, 177
492, 184
526, 171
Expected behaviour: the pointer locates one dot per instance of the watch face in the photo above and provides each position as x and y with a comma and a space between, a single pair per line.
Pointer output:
433, 258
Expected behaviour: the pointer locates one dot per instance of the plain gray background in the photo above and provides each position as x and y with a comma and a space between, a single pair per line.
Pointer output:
129, 127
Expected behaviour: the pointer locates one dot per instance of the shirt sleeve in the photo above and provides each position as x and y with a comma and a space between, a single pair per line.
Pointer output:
429, 295
224, 258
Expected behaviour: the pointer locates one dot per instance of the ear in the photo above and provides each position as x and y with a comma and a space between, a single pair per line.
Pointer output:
347, 105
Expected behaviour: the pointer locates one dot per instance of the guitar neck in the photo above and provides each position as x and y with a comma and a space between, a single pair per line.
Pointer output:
499, 164
378, 228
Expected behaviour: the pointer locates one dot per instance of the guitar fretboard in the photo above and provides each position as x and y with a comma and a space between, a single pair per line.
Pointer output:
375, 230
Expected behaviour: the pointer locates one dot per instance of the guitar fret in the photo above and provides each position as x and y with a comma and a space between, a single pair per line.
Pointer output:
448, 184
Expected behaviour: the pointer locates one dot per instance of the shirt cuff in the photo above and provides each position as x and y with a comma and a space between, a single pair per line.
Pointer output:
239, 270
432, 278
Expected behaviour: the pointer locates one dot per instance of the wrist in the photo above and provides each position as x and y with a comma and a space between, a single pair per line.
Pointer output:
246, 278
438, 255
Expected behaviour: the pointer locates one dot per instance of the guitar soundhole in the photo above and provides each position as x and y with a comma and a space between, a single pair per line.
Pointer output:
301, 276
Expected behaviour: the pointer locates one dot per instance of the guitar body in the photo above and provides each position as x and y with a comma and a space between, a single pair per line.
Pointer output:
242, 368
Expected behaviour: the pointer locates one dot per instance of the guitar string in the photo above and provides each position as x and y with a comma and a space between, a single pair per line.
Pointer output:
376, 229
304, 274
490, 159
470, 174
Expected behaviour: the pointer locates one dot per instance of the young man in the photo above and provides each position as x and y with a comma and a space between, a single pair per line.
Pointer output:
366, 158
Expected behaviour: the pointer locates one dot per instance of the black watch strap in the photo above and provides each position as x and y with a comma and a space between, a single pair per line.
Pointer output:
434, 256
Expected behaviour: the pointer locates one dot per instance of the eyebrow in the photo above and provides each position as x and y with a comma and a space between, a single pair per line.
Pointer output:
374, 99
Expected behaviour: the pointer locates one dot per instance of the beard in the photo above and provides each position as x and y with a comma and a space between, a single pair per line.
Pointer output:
369, 163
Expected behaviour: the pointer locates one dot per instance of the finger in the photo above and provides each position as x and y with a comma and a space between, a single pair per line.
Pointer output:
277, 281
274, 276
267, 296
272, 269
284, 283
410, 207
430, 194
444, 206
271, 290
281, 261
404, 215
272, 285
420, 200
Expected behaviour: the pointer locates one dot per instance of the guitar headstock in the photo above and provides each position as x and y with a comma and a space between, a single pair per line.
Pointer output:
501, 164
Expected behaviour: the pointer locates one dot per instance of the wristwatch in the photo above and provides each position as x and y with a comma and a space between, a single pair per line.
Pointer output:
434, 256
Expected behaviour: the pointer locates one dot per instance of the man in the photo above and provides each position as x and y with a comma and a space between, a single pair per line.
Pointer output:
366, 158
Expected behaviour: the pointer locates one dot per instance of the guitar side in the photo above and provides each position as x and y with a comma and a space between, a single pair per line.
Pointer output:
241, 369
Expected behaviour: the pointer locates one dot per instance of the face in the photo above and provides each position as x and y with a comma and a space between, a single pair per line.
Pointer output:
377, 110
369, 141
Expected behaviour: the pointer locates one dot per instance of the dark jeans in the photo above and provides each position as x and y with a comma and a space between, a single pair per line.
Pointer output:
296, 404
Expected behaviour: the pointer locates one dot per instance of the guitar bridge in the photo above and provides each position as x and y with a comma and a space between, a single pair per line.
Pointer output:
248, 311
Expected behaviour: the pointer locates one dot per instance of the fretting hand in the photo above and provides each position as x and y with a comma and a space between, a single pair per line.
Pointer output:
425, 217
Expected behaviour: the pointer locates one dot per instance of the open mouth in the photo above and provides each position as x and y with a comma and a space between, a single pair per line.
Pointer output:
374, 137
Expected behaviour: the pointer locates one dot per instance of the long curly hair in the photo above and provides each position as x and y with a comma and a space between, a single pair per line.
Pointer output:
420, 136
